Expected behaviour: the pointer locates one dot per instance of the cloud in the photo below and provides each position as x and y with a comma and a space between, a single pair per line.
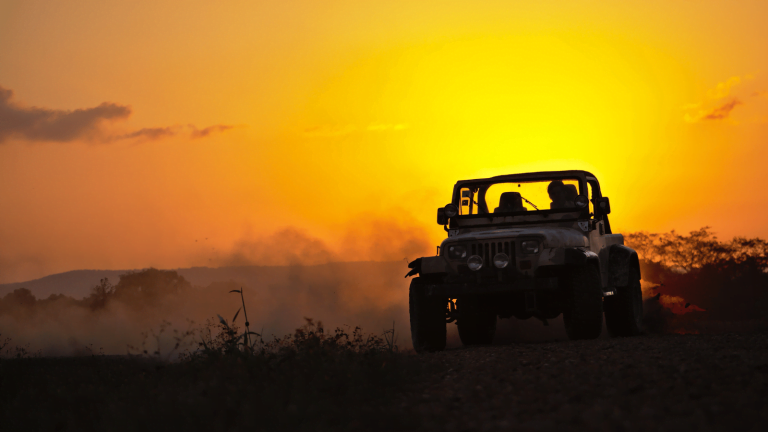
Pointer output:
723, 111
151, 134
202, 133
694, 117
45, 124
713, 108
156, 133
697, 113
723, 89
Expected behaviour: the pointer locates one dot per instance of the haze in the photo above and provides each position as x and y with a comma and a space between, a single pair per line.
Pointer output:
173, 134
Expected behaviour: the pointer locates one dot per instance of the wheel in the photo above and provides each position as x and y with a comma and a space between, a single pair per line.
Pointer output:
583, 312
624, 309
476, 322
427, 318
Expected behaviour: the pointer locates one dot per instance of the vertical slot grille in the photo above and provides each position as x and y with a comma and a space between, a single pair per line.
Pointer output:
488, 250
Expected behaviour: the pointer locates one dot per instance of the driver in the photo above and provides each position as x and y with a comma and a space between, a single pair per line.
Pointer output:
557, 194
510, 202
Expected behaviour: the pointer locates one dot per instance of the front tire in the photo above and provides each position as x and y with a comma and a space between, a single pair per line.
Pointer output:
476, 322
624, 309
427, 318
583, 314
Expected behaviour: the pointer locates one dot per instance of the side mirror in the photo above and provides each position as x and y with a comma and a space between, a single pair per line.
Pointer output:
442, 219
603, 206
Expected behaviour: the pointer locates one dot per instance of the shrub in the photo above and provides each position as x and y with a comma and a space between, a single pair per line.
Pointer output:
727, 278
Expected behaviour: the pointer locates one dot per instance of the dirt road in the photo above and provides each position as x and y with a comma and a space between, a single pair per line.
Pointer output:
660, 383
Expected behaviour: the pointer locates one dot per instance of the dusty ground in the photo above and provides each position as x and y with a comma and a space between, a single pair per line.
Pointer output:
663, 382
649, 383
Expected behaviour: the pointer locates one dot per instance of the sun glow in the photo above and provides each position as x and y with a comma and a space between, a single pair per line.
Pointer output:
242, 119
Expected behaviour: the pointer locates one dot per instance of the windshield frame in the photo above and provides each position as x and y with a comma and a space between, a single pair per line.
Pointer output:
583, 178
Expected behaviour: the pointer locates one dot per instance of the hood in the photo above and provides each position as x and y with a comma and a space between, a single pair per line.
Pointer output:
553, 237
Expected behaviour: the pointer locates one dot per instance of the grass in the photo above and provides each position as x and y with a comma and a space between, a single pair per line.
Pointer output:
301, 382
309, 380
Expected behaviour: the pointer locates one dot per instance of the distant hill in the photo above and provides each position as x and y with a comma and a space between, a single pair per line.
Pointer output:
78, 283
75, 283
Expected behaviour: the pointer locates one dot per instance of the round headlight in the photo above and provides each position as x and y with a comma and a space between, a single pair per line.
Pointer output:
475, 262
451, 210
501, 260
457, 252
581, 201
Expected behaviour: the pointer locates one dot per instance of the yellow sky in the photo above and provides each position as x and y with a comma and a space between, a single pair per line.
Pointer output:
348, 116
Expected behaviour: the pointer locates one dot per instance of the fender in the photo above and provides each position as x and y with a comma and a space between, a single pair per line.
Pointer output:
620, 260
579, 256
415, 267
428, 266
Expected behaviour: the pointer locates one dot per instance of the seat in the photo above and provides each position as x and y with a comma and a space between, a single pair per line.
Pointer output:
510, 202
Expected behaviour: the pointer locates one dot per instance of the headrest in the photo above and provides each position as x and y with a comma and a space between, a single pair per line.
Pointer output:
510, 199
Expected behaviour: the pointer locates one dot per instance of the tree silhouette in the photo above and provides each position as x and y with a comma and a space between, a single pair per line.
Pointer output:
729, 279
149, 286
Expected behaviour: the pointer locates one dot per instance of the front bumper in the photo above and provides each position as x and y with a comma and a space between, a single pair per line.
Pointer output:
458, 289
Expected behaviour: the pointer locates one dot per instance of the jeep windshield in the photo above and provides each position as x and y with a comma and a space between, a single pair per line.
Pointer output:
523, 197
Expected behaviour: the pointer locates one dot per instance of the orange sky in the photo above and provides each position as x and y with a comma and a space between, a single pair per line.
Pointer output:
340, 118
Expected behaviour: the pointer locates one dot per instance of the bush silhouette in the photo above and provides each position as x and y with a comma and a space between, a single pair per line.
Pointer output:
150, 285
729, 279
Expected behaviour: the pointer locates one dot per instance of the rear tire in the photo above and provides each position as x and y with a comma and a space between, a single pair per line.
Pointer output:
427, 318
476, 322
583, 314
624, 309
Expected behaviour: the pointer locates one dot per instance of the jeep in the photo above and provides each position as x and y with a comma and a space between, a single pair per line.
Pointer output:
532, 245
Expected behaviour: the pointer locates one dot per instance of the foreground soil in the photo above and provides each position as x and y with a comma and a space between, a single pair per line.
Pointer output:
659, 383
647, 383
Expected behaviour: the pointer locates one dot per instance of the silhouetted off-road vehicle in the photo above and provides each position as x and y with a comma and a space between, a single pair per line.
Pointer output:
526, 245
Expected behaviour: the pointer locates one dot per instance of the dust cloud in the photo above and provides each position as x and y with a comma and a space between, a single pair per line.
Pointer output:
285, 277
371, 240
691, 283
